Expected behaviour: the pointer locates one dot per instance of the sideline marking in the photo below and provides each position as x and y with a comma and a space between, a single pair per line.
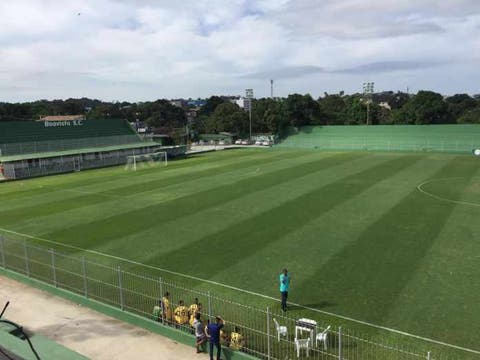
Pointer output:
440, 198
242, 290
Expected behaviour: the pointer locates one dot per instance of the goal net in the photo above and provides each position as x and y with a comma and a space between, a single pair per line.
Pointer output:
142, 161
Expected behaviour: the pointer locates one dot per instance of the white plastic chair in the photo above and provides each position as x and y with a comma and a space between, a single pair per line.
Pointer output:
281, 330
302, 344
322, 337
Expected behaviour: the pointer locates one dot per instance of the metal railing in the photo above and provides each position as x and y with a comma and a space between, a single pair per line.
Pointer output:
22, 169
140, 292
447, 145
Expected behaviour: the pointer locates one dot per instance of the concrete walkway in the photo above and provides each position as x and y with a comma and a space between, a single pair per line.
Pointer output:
83, 330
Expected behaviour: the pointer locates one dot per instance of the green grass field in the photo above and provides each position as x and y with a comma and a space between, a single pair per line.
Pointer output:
387, 238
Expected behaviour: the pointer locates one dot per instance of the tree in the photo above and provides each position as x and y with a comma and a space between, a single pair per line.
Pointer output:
162, 114
211, 105
381, 115
333, 109
356, 113
394, 100
269, 116
227, 117
458, 104
427, 107
302, 110
471, 116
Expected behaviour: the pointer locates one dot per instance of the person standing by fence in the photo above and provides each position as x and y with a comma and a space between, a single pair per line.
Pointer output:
200, 336
213, 334
166, 310
284, 287
192, 311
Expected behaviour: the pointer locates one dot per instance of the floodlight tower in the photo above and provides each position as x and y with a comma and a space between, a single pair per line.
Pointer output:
368, 88
249, 97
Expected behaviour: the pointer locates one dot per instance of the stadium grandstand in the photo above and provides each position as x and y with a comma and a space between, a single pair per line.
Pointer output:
423, 138
50, 146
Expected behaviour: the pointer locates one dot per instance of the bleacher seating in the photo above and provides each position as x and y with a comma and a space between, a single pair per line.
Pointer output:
26, 131
20, 137
442, 138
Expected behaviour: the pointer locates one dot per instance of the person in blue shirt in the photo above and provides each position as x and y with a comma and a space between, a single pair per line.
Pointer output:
284, 286
213, 334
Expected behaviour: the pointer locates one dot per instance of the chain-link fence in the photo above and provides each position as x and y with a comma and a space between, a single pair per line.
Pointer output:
265, 334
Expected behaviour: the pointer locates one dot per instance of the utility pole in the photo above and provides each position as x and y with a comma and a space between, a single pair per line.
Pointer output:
249, 97
367, 95
271, 88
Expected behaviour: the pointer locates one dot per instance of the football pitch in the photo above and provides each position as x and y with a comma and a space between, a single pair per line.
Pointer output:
391, 239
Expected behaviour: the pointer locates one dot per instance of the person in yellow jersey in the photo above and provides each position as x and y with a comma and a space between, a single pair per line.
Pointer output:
237, 341
181, 313
166, 309
192, 310
223, 338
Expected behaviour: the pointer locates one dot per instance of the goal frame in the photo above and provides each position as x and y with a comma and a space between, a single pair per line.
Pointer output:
144, 156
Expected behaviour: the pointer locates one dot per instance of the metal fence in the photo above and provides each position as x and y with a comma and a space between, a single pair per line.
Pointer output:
33, 147
22, 169
266, 334
447, 145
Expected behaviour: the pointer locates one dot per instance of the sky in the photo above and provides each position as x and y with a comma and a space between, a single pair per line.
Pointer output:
142, 50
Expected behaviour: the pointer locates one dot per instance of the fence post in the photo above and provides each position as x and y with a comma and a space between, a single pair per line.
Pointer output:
2, 250
27, 267
84, 270
120, 287
428, 355
268, 334
54, 270
161, 299
209, 305
340, 343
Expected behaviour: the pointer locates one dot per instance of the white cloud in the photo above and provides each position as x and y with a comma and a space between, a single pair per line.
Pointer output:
146, 49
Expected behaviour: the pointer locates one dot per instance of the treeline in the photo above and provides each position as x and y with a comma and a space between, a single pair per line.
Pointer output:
268, 115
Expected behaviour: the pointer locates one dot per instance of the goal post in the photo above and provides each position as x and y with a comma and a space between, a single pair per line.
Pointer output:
135, 162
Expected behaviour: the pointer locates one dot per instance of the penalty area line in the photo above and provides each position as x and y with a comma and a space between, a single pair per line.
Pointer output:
240, 290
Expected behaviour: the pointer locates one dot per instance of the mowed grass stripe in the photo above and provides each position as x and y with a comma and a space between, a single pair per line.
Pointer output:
371, 272
77, 200
228, 167
246, 238
83, 180
78, 215
97, 182
317, 241
30, 187
170, 175
448, 271
108, 228
179, 231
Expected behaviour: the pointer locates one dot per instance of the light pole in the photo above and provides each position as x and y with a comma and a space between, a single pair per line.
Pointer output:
367, 94
249, 97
